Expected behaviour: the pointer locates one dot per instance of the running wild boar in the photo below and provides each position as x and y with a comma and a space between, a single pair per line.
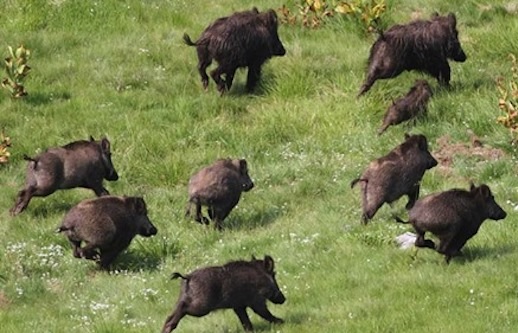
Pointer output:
419, 45
106, 226
236, 285
396, 174
218, 187
408, 106
454, 217
244, 39
78, 164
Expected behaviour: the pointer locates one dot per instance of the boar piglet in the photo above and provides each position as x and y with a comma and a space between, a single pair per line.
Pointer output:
423, 45
243, 39
236, 285
218, 187
78, 164
408, 106
396, 174
454, 217
106, 226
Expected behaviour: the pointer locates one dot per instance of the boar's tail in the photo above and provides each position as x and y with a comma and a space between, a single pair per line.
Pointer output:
187, 40
28, 158
177, 275
61, 229
353, 183
399, 220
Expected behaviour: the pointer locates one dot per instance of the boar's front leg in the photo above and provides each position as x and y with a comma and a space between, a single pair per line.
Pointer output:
99, 189
441, 72
263, 311
413, 195
254, 73
243, 317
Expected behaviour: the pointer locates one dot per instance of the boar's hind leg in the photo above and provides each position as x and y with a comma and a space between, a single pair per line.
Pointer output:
244, 319
204, 61
420, 241
216, 76
172, 321
263, 311
99, 189
23, 199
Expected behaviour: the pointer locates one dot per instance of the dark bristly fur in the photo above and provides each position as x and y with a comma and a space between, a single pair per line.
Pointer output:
219, 187
78, 164
408, 106
237, 285
244, 39
419, 45
396, 174
454, 217
106, 226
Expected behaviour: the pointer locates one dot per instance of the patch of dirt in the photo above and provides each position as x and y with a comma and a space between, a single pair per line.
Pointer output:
4, 301
446, 151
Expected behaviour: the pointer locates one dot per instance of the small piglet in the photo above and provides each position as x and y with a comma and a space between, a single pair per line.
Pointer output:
218, 187
236, 285
396, 174
454, 217
408, 106
107, 226
78, 164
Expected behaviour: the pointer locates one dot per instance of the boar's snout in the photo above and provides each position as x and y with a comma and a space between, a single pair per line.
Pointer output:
460, 56
496, 212
279, 50
248, 185
147, 229
432, 162
112, 175
278, 297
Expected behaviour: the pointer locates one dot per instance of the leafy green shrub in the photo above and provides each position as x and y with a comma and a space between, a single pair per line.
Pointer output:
508, 101
5, 142
16, 69
313, 13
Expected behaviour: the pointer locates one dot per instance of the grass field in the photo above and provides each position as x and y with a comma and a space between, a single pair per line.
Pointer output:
120, 69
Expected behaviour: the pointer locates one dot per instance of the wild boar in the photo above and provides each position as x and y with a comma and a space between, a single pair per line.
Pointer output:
396, 174
423, 45
454, 217
408, 106
244, 39
236, 285
106, 225
219, 187
78, 164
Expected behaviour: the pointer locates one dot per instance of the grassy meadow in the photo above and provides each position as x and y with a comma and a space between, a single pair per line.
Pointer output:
119, 69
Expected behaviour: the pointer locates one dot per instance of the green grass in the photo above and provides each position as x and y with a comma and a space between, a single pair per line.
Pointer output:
119, 68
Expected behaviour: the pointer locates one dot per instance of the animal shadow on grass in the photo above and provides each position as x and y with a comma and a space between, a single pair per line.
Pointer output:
136, 261
42, 99
258, 219
49, 207
471, 254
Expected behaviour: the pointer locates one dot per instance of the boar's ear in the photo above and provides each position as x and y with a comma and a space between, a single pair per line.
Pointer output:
422, 143
472, 186
452, 20
484, 191
271, 18
255, 10
92, 138
105, 145
138, 205
269, 265
407, 136
243, 166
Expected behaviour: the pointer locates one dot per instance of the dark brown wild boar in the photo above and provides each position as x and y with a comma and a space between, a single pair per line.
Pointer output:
236, 285
218, 187
244, 39
419, 45
408, 106
454, 217
396, 174
77, 164
106, 226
